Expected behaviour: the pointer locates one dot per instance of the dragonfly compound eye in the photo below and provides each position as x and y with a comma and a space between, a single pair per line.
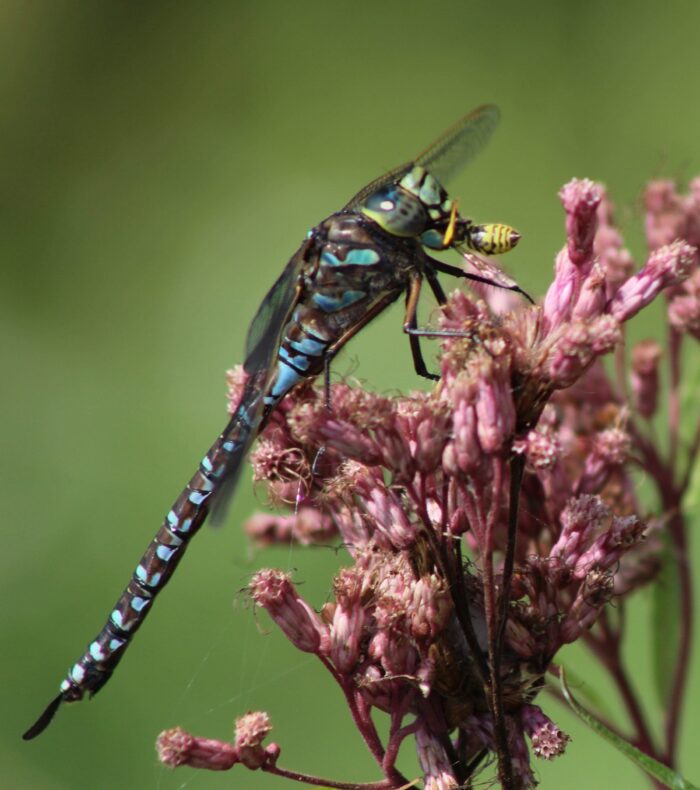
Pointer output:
396, 211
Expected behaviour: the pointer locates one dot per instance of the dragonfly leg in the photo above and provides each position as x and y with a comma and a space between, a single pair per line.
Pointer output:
327, 381
453, 271
410, 324
333, 349
410, 327
435, 286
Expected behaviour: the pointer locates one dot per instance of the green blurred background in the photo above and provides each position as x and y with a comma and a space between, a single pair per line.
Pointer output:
160, 162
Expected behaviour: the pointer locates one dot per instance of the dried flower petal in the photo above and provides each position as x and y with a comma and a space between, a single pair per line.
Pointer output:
176, 747
548, 741
251, 731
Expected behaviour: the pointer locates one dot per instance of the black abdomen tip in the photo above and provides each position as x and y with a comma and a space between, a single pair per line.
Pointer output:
44, 720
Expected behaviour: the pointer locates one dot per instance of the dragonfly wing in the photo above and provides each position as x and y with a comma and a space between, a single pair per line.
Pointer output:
388, 178
264, 335
262, 345
244, 425
447, 155
488, 268
460, 143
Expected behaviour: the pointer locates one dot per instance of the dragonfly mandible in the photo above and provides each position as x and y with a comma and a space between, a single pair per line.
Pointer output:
349, 269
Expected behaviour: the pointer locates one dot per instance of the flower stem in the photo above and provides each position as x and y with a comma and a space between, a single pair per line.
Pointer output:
365, 725
492, 611
606, 647
680, 673
317, 781
674, 410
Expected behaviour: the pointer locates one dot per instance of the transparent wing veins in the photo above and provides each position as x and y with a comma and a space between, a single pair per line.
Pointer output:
447, 155
262, 342
460, 143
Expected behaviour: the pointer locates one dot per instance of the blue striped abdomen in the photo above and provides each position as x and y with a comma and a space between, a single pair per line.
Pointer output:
94, 668
338, 281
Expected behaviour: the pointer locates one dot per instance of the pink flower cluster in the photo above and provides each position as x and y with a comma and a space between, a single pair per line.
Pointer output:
176, 747
456, 602
671, 216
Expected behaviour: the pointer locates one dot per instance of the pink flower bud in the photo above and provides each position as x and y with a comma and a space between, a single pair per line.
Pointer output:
272, 752
463, 454
614, 259
393, 590
393, 445
581, 519
494, 407
665, 219
644, 376
618, 267
562, 293
274, 591
607, 549
458, 523
348, 439
346, 629
592, 297
684, 314
353, 527
595, 591
307, 527
571, 355
578, 346
543, 449
430, 608
606, 334
666, 266
375, 688
434, 762
392, 650
430, 431
610, 450
384, 508
580, 198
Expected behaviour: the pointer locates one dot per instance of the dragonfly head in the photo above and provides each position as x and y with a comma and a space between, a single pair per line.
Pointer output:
417, 206
413, 206
396, 211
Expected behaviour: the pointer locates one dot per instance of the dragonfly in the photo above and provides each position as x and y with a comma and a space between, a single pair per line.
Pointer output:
348, 269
